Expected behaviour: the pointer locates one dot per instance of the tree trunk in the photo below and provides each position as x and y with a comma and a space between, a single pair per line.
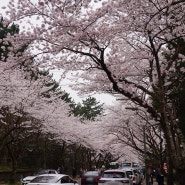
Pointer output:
13, 161
175, 150
180, 177
170, 174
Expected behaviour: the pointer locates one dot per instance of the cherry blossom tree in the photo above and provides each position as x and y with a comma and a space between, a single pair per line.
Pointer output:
122, 47
28, 99
137, 130
27, 95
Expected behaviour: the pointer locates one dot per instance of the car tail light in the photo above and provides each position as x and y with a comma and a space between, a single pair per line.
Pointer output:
82, 180
134, 178
96, 178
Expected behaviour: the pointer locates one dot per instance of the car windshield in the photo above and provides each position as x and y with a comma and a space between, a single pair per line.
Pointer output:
129, 173
127, 164
114, 175
45, 179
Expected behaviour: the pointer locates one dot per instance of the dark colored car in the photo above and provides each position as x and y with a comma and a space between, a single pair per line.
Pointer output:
90, 178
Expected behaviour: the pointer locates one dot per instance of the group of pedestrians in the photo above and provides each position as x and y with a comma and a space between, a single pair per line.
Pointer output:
156, 174
160, 177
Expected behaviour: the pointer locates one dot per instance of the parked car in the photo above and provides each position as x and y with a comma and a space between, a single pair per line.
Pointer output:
27, 179
90, 178
135, 174
115, 177
138, 174
53, 179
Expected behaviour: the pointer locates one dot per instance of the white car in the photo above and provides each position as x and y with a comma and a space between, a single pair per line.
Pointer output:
115, 177
27, 179
53, 179
136, 176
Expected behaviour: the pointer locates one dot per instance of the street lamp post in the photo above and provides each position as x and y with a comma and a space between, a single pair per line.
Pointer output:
145, 156
73, 156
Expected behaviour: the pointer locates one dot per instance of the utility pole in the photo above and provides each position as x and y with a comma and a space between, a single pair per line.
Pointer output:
145, 156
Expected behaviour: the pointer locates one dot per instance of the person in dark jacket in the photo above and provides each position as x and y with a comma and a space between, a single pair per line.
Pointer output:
160, 177
74, 173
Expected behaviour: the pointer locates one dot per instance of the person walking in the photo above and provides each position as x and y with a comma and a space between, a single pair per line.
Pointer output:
150, 176
74, 173
160, 177
102, 169
150, 182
